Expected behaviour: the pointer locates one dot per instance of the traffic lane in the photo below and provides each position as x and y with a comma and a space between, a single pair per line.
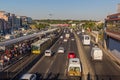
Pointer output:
58, 68
104, 69
74, 47
44, 63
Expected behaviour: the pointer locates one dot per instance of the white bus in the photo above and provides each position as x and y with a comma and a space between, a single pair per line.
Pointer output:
86, 39
74, 68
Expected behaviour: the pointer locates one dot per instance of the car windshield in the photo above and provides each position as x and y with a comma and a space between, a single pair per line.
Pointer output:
47, 52
71, 53
86, 37
60, 48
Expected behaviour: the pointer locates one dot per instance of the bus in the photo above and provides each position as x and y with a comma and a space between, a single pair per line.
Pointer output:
86, 39
41, 45
74, 68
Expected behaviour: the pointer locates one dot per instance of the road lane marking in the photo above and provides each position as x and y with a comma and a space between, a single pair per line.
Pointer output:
65, 72
50, 66
36, 64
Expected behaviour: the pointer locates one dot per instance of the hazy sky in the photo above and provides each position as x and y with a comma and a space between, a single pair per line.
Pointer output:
61, 9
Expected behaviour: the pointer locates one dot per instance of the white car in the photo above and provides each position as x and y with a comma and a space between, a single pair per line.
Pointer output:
61, 37
28, 77
65, 40
60, 50
48, 53
72, 39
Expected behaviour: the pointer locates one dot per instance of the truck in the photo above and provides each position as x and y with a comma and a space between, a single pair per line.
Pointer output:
74, 68
96, 53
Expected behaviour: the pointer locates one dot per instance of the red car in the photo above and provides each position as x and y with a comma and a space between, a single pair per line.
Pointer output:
71, 55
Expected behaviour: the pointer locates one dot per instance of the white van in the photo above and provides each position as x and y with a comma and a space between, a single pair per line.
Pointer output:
96, 53
86, 39
48, 53
74, 68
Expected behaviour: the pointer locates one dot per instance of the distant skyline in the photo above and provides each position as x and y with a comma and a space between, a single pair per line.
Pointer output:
61, 9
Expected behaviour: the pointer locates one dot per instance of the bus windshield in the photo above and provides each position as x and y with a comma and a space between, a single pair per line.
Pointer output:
35, 47
75, 69
86, 38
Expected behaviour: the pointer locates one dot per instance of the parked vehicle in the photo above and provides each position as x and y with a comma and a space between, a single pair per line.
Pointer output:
96, 53
74, 68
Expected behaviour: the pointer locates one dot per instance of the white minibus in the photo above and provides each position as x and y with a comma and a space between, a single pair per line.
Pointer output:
86, 39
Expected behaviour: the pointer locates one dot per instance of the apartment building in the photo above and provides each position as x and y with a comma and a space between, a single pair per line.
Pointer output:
112, 24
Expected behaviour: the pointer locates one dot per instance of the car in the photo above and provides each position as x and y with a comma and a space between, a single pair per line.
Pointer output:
65, 40
61, 37
60, 50
48, 53
72, 39
71, 54
29, 76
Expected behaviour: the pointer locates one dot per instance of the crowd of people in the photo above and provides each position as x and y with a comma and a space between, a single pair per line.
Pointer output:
14, 51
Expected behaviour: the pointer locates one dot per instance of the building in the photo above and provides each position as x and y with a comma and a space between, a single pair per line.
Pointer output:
3, 15
4, 23
29, 20
112, 32
18, 22
1, 26
4, 27
10, 22
118, 9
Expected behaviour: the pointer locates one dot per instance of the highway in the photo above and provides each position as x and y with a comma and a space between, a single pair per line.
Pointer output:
55, 67
105, 69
